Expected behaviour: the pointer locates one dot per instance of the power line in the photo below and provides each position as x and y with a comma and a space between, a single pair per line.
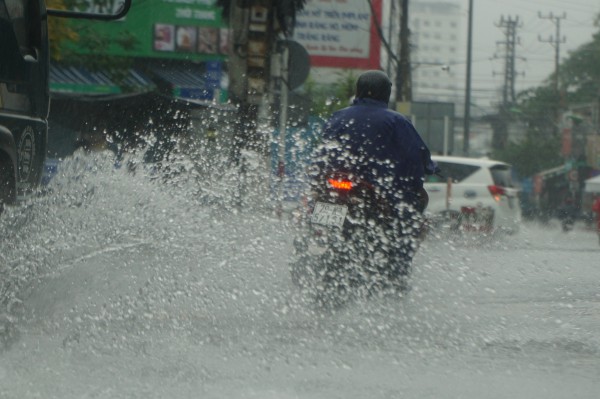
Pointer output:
381, 35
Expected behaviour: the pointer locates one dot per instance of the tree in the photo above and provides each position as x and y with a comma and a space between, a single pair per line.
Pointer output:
580, 75
537, 107
531, 155
325, 100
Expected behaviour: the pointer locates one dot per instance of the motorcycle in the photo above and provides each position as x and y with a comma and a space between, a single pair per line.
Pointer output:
567, 214
353, 241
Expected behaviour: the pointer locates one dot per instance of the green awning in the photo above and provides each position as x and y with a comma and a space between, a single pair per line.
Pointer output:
81, 81
185, 82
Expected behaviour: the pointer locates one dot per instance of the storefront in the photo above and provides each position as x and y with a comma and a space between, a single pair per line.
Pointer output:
175, 50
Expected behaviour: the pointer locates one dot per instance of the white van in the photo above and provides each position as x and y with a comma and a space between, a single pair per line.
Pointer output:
474, 194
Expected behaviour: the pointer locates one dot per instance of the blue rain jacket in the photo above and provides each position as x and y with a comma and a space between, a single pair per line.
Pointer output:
379, 145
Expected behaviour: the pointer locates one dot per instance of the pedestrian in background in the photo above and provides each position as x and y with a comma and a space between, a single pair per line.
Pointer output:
596, 209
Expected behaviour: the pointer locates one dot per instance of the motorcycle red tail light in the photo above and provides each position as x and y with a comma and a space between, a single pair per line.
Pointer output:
340, 184
496, 192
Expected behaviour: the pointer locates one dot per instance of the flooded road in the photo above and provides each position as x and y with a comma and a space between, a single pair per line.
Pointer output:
120, 286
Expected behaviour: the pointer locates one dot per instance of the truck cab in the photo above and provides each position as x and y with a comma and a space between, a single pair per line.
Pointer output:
24, 96
24, 89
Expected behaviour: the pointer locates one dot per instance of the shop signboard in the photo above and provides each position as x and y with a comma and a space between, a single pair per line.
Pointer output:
340, 33
175, 29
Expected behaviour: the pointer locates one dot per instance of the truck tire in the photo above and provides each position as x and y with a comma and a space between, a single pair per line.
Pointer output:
7, 183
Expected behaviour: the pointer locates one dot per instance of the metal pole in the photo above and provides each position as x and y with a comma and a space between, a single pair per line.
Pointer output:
390, 30
403, 83
556, 41
467, 117
283, 79
557, 58
446, 133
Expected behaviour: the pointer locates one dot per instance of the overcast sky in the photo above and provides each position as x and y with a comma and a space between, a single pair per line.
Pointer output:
577, 28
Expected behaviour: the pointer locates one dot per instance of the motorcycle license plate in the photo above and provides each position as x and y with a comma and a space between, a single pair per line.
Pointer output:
329, 214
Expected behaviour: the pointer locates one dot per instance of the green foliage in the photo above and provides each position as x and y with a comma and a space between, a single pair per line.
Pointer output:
540, 150
580, 75
531, 155
538, 108
326, 99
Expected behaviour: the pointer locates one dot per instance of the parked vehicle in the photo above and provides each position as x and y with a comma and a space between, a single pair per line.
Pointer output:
24, 91
474, 194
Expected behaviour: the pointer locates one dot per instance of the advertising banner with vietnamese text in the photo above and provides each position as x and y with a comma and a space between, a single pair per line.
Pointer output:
340, 33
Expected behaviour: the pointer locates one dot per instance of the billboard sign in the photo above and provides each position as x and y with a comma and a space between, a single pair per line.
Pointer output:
175, 29
340, 33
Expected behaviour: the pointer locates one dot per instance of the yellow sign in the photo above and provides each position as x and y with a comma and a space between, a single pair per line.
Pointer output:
403, 107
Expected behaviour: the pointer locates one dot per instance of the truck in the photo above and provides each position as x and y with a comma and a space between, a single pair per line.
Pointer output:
24, 89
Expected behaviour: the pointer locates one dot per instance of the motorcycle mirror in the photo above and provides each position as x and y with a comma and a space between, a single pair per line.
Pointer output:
89, 9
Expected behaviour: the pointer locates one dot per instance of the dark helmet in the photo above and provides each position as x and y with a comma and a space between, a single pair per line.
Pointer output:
374, 84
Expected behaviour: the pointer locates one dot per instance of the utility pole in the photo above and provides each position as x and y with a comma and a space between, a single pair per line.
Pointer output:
510, 31
249, 64
555, 42
250, 55
467, 117
501, 122
403, 76
256, 75
389, 38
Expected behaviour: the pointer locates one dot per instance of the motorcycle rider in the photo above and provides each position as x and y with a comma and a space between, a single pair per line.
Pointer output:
380, 146
567, 213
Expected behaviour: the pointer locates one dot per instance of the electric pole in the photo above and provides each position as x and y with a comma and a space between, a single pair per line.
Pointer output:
501, 123
389, 38
555, 42
510, 32
249, 65
467, 116
403, 76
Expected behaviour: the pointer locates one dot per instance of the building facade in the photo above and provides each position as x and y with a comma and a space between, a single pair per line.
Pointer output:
437, 52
